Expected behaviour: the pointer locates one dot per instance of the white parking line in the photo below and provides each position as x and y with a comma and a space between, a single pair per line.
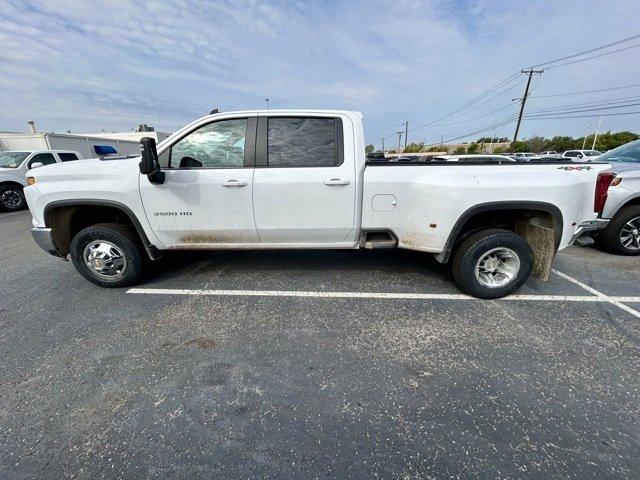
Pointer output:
376, 295
10, 214
617, 301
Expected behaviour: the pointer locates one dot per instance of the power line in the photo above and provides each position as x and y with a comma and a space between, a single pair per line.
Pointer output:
587, 116
594, 56
612, 101
474, 100
584, 92
602, 47
385, 128
583, 110
469, 109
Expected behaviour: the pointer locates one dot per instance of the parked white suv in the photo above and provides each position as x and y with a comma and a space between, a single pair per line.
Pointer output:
622, 207
13, 167
582, 155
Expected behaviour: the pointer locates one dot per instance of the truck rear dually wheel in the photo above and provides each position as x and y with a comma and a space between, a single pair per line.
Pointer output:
492, 263
107, 254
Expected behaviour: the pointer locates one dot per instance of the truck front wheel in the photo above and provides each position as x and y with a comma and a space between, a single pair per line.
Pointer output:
492, 263
107, 254
11, 198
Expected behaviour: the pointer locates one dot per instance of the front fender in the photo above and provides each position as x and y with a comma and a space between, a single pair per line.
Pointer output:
4, 178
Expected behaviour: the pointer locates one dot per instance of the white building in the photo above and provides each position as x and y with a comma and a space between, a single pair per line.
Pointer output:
125, 143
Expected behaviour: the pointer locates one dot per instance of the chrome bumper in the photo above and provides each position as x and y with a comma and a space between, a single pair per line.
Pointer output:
585, 228
43, 237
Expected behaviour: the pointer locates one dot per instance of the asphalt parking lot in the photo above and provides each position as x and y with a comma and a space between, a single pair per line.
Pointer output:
316, 365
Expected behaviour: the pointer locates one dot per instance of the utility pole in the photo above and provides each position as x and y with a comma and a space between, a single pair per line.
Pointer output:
441, 141
529, 72
399, 139
383, 145
406, 133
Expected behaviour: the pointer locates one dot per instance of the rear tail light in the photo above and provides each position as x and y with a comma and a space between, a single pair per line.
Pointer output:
602, 185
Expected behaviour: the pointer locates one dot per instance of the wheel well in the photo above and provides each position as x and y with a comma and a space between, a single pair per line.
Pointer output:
633, 201
541, 227
506, 219
12, 184
67, 220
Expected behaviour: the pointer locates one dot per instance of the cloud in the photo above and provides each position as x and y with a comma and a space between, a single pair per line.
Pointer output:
104, 65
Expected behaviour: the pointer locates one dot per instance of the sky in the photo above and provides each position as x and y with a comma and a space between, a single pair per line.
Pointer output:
88, 66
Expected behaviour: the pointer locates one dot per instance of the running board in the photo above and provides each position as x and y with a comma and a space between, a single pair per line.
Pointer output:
375, 240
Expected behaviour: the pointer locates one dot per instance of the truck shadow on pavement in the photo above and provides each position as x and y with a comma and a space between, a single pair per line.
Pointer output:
321, 266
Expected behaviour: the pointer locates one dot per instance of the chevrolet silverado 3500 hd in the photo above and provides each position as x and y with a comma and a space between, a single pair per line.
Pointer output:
299, 179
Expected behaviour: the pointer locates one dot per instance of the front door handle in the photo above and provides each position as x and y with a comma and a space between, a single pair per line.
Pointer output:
336, 181
232, 182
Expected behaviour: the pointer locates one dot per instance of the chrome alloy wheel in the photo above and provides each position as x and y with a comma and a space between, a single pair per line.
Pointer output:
11, 199
497, 267
105, 259
630, 234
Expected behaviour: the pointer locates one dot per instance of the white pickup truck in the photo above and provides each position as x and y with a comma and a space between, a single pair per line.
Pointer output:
291, 179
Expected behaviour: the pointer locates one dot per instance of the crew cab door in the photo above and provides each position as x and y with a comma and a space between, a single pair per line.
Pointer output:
206, 198
304, 185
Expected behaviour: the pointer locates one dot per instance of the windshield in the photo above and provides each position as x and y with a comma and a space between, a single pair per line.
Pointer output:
12, 159
592, 153
629, 152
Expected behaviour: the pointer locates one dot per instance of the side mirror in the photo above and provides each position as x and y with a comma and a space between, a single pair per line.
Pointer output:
580, 155
149, 164
36, 165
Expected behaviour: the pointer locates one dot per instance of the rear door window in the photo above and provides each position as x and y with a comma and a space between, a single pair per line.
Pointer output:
67, 156
302, 142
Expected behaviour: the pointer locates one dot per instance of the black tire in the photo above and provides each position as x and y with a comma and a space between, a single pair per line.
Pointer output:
470, 252
609, 238
12, 198
127, 245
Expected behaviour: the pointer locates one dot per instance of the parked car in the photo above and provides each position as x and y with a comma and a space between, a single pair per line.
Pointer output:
14, 166
548, 152
622, 207
524, 155
582, 155
473, 158
549, 158
294, 179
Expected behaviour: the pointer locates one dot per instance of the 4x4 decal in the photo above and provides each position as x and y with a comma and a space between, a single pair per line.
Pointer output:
577, 167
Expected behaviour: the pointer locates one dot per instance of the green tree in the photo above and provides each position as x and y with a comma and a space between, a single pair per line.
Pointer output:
519, 146
414, 147
536, 144
369, 149
473, 148
435, 148
460, 150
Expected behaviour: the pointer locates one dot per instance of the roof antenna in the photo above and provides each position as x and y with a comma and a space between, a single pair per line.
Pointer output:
214, 111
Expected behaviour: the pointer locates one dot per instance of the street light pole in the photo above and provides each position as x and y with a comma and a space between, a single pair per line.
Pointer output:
593, 147
399, 140
585, 135
267, 100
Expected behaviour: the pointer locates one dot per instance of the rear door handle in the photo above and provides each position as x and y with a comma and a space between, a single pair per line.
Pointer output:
234, 183
336, 181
